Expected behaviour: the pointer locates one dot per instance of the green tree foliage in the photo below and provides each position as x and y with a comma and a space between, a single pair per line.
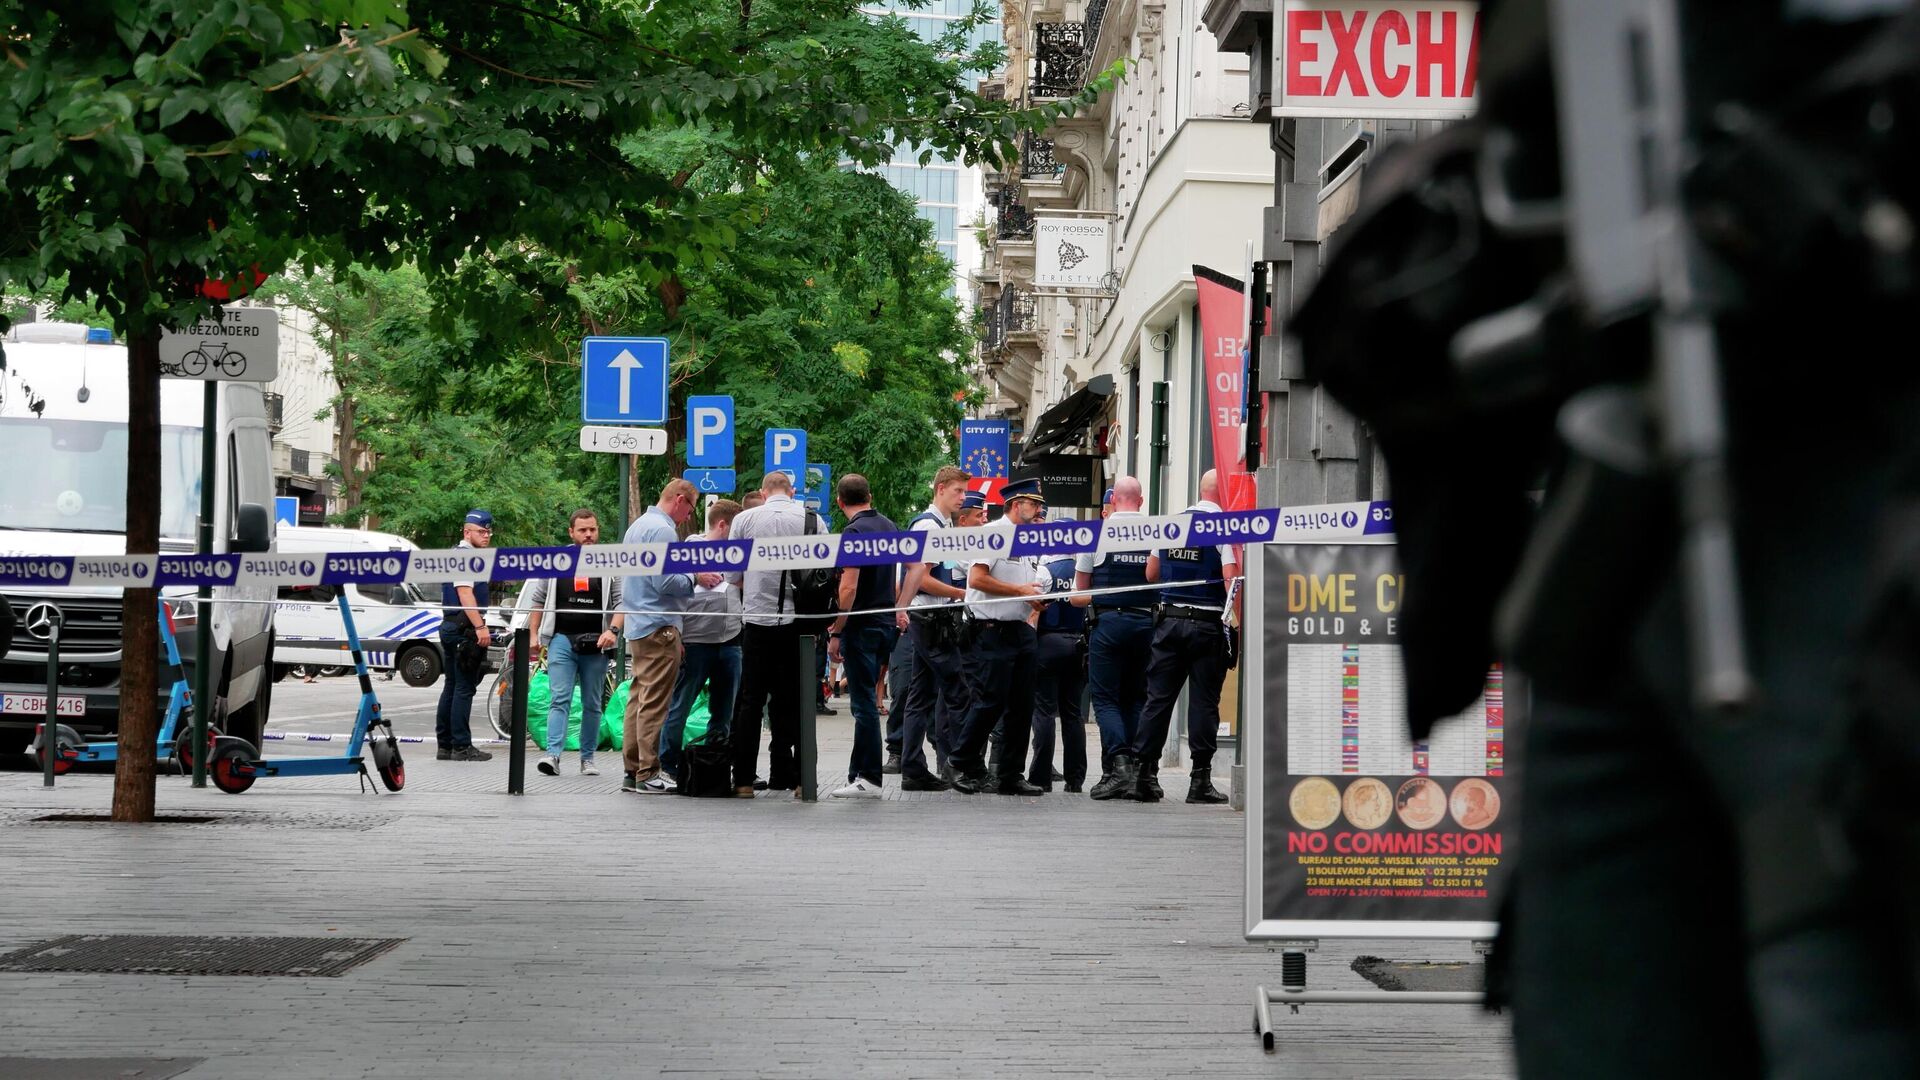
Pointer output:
146, 145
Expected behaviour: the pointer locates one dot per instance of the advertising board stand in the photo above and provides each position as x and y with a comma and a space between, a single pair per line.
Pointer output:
1354, 829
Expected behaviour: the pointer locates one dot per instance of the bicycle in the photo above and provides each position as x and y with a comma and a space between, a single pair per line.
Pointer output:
500, 695
229, 362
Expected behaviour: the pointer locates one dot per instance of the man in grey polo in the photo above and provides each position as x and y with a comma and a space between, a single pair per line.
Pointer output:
769, 646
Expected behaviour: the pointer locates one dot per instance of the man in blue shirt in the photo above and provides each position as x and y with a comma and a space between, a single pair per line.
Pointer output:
860, 640
463, 642
654, 651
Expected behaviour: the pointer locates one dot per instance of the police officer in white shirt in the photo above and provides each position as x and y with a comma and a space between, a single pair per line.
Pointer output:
1001, 592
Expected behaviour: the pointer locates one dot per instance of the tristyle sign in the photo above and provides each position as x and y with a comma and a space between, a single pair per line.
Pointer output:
1411, 59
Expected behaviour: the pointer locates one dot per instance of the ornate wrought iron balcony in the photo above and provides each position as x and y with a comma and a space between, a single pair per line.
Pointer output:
1018, 311
1062, 51
1015, 222
1036, 158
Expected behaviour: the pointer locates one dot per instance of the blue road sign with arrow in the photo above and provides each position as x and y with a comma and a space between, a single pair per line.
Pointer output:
623, 380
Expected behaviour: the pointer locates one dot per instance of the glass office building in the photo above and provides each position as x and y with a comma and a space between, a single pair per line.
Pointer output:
948, 193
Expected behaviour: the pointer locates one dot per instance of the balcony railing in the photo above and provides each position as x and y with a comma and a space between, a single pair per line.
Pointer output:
1018, 311
1036, 158
1015, 222
1062, 51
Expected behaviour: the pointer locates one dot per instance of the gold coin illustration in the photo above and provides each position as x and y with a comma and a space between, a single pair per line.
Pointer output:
1368, 803
1421, 802
1476, 803
1315, 802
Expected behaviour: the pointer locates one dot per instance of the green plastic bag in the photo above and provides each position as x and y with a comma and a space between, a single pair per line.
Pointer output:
612, 718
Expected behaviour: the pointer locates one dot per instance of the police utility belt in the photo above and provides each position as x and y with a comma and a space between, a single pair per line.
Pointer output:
1163, 612
1096, 612
943, 624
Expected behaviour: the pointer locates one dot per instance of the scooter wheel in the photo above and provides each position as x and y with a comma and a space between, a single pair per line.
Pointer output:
231, 766
66, 742
183, 747
387, 761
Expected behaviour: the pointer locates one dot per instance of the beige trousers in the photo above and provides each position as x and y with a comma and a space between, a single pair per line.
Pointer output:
654, 662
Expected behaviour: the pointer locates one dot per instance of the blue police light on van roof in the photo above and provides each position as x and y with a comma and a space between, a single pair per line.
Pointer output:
99, 335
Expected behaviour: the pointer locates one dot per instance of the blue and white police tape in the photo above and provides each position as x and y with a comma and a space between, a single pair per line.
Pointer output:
1333, 523
347, 736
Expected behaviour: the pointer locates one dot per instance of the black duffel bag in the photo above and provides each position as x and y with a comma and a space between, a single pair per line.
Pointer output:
706, 770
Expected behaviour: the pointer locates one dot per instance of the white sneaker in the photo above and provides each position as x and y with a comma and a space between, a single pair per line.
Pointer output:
588, 768
659, 785
550, 765
859, 789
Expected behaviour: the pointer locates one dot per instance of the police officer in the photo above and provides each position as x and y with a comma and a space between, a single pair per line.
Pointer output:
1189, 646
1001, 592
1060, 678
463, 641
936, 698
1119, 646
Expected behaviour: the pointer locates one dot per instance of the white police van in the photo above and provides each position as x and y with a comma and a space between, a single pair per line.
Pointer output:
63, 491
399, 624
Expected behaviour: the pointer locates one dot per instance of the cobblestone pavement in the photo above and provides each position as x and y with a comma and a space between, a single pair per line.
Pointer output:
580, 932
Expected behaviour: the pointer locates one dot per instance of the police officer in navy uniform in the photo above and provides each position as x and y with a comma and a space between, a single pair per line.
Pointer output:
1119, 646
1189, 646
1060, 678
463, 642
1002, 593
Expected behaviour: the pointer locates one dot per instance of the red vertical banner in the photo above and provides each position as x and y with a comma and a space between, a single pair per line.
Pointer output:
1223, 336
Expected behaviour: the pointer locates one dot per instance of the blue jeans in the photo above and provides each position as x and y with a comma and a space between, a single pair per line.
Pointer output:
715, 668
1118, 652
451, 727
862, 650
565, 670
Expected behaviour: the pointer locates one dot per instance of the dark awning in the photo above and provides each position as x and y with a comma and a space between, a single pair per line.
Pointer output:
1060, 426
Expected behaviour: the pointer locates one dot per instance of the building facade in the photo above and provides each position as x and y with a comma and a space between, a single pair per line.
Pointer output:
1172, 162
300, 416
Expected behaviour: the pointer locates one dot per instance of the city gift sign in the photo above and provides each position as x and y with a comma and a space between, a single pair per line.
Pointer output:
1378, 59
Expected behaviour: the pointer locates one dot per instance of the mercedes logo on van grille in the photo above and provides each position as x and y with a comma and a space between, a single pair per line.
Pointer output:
41, 619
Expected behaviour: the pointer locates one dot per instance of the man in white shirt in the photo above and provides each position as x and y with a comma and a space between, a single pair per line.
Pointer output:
769, 646
936, 687
1001, 596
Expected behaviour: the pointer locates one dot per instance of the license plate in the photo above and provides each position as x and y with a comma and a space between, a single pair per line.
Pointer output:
36, 705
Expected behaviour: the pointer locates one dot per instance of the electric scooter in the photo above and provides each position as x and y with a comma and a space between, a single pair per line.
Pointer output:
235, 763
176, 730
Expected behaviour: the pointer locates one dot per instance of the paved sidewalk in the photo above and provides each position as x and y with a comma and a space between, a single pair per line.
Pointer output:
623, 935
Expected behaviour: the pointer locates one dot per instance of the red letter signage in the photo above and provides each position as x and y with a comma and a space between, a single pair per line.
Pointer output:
1405, 59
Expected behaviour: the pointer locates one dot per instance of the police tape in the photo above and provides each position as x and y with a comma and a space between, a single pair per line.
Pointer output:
1333, 523
347, 736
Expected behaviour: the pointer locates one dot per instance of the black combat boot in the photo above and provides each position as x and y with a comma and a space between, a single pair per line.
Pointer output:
1119, 781
1146, 787
1201, 790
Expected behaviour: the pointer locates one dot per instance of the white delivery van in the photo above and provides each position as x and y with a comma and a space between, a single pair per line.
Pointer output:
63, 491
399, 625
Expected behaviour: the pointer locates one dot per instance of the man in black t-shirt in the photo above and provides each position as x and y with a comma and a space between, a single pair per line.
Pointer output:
577, 621
860, 640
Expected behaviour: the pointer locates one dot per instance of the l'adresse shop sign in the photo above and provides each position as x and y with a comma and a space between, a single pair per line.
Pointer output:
1378, 59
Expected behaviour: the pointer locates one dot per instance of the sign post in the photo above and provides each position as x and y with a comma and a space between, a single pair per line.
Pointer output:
241, 345
623, 381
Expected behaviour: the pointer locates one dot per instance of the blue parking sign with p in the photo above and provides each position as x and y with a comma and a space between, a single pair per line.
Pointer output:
710, 431
786, 451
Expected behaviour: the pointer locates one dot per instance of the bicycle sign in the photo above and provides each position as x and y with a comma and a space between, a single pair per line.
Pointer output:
243, 345
613, 439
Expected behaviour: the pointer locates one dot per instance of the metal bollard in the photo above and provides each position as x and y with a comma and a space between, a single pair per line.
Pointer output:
50, 734
809, 744
517, 734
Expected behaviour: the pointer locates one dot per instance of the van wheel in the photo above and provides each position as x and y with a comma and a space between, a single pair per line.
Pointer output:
420, 665
280, 671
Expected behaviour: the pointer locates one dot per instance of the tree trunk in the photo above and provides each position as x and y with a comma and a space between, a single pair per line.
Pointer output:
140, 631
350, 478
